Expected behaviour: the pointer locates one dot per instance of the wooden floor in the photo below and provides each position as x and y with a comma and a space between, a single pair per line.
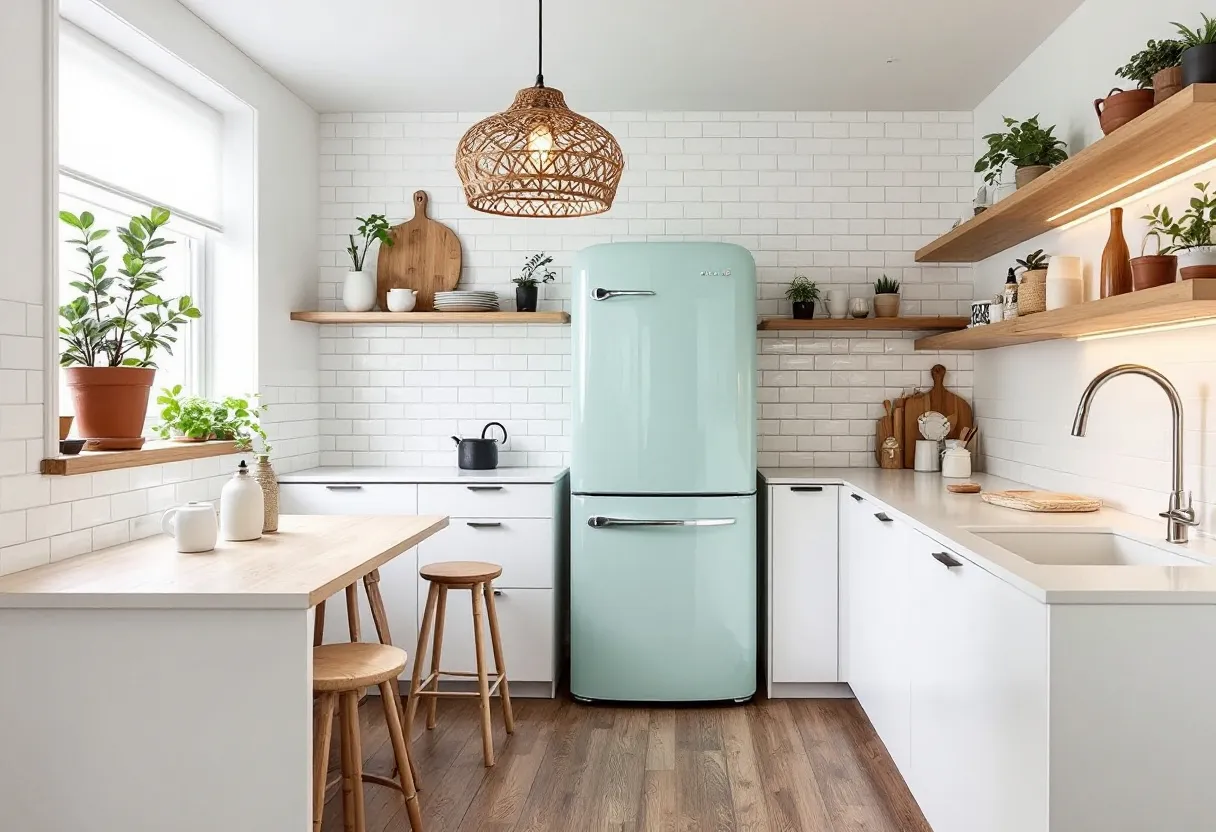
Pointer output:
796, 765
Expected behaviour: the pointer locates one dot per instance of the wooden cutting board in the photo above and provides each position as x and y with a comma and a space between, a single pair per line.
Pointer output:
939, 399
425, 255
1050, 501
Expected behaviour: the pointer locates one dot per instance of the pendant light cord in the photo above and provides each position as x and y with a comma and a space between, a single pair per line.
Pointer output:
540, 42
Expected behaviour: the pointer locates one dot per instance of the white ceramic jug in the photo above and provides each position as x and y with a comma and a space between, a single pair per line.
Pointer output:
192, 526
242, 507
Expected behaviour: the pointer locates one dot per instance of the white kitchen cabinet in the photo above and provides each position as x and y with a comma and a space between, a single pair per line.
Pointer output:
803, 587
520, 546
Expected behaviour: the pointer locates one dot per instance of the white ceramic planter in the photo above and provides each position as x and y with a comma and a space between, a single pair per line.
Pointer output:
1201, 256
359, 292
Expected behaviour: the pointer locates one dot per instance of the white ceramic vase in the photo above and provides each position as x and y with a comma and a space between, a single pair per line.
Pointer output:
242, 507
1065, 282
359, 292
838, 303
402, 300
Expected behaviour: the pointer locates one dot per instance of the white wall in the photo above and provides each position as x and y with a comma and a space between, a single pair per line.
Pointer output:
1025, 396
45, 518
842, 197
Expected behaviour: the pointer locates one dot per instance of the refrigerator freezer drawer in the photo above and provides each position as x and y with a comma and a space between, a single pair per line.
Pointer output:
663, 598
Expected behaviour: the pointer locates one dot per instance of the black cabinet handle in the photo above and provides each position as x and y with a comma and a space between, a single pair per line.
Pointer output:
474, 524
882, 515
947, 560
807, 488
856, 497
484, 487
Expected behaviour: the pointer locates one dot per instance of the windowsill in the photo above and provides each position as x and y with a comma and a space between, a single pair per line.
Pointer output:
152, 453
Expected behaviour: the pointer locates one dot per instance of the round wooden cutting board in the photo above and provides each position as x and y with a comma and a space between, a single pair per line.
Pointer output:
425, 255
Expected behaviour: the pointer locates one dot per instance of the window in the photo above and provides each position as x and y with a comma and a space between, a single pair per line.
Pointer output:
129, 140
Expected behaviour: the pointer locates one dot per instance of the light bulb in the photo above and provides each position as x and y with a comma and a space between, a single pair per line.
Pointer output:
540, 142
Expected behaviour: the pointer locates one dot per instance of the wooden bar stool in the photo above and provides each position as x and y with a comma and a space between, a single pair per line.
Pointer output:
478, 578
340, 673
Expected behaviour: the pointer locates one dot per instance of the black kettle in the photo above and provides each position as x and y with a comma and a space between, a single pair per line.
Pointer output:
479, 454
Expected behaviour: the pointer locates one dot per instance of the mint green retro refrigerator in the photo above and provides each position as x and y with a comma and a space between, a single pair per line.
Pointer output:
663, 473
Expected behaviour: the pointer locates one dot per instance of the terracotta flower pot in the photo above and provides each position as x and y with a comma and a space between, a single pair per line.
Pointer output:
1024, 176
886, 306
110, 404
1153, 270
1167, 82
1119, 107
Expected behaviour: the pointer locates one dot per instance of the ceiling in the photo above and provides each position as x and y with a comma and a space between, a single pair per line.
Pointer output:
472, 55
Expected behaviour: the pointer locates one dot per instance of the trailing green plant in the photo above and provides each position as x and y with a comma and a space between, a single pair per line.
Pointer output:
372, 227
1025, 144
1034, 261
886, 286
535, 270
1198, 36
118, 319
1154, 57
802, 290
234, 418
1193, 229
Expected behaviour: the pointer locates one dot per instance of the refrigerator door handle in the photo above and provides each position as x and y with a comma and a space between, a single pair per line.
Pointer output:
597, 522
605, 294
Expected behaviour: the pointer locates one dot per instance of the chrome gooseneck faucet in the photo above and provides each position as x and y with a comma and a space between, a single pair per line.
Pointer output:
1180, 519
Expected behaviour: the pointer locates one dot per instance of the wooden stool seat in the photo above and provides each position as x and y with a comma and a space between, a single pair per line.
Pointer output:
339, 667
460, 572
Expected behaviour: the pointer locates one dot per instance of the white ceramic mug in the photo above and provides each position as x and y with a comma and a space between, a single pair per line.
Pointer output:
838, 303
193, 526
402, 300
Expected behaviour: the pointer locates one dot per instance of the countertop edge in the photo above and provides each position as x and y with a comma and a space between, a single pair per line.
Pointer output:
333, 475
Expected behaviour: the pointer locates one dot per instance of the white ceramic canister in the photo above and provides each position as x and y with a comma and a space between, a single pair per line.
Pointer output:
242, 507
359, 292
193, 526
927, 456
956, 462
402, 300
1065, 282
838, 303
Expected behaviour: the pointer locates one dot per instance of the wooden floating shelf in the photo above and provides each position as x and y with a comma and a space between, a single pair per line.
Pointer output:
1178, 303
874, 324
152, 453
1168, 140
432, 317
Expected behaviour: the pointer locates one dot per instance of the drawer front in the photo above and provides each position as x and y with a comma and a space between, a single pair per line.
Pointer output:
523, 548
368, 498
508, 500
525, 621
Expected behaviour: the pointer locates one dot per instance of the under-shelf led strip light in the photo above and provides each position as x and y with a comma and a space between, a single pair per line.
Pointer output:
1144, 330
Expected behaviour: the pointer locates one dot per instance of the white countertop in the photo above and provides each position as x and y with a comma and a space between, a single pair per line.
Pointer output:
923, 502
369, 474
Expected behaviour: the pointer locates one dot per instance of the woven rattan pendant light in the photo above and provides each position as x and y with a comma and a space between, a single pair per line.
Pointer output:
539, 158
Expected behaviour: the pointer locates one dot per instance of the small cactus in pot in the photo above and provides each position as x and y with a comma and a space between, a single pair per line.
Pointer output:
886, 298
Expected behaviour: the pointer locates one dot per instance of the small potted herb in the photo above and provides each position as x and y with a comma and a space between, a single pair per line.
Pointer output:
1160, 269
1199, 55
886, 298
1159, 66
1191, 235
1029, 147
802, 294
534, 272
196, 419
1034, 267
359, 289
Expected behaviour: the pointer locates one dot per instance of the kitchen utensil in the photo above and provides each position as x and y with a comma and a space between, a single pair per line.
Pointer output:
425, 255
956, 463
885, 430
1046, 501
479, 454
402, 300
927, 455
914, 406
933, 425
242, 506
897, 427
964, 488
193, 526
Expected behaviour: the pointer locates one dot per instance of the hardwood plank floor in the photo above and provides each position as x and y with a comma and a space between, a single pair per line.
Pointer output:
770, 766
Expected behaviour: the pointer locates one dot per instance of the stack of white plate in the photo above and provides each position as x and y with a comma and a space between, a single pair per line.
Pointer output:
466, 302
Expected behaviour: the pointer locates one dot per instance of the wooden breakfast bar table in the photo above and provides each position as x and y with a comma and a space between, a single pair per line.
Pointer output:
146, 690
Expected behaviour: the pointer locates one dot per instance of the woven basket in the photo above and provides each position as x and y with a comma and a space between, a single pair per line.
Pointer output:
1032, 298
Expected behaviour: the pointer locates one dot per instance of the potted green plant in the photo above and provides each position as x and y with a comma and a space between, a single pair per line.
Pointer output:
112, 331
1199, 55
802, 294
197, 419
535, 271
359, 288
1034, 267
1121, 106
1160, 269
886, 298
1159, 66
1029, 147
1191, 234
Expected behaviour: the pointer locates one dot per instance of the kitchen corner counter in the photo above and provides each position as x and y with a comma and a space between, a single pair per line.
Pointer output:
922, 501
373, 474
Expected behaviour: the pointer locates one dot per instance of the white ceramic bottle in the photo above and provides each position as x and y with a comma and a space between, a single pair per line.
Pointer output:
242, 507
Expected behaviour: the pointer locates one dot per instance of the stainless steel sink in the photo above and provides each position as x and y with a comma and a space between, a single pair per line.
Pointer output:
1082, 547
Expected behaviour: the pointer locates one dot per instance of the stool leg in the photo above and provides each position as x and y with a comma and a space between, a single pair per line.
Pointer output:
401, 753
441, 613
371, 585
348, 785
428, 618
350, 724
500, 662
320, 755
318, 625
352, 612
483, 683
